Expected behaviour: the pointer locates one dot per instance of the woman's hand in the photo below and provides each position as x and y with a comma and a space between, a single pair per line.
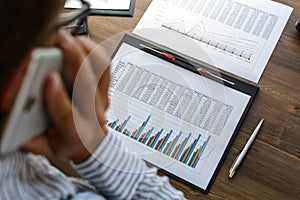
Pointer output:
78, 124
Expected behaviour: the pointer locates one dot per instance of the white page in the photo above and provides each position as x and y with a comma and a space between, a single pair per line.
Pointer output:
238, 35
143, 85
101, 4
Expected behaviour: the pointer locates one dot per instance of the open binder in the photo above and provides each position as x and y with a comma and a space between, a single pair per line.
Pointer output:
170, 115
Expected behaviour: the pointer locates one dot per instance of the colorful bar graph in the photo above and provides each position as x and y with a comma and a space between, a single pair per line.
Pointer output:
124, 124
165, 140
188, 151
201, 149
156, 138
191, 149
174, 143
182, 147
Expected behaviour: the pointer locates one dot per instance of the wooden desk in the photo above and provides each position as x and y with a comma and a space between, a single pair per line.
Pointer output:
271, 170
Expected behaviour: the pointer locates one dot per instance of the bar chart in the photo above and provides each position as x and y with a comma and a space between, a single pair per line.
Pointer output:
182, 148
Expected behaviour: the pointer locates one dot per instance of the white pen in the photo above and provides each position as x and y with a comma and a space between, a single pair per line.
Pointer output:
243, 153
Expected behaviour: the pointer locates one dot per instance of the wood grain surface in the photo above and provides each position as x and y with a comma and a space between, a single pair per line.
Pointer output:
271, 169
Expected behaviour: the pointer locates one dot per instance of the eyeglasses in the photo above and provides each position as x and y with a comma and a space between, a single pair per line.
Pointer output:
73, 19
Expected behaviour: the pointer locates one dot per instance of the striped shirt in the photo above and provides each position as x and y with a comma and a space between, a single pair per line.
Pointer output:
112, 172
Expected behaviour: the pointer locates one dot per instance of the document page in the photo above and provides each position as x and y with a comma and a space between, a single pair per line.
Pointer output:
238, 35
174, 119
101, 4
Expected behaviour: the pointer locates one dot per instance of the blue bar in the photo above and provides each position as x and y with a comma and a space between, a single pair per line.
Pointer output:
200, 153
142, 128
204, 145
192, 149
183, 146
129, 134
140, 131
148, 143
148, 118
124, 124
156, 137
196, 161
114, 124
174, 143
147, 136
165, 141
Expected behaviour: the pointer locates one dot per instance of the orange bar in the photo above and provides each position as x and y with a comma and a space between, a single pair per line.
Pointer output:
194, 158
151, 141
185, 153
128, 133
168, 147
176, 148
135, 132
199, 149
142, 138
159, 144
119, 127
177, 151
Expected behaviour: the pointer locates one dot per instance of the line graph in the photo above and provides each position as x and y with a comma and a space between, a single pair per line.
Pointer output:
240, 47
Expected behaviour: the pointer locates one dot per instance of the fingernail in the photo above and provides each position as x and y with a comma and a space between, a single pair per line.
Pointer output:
66, 38
53, 83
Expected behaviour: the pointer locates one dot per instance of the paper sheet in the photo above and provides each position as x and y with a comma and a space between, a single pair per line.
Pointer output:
171, 117
238, 35
101, 4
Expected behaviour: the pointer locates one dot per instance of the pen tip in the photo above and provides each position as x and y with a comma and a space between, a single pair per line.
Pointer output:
262, 120
231, 174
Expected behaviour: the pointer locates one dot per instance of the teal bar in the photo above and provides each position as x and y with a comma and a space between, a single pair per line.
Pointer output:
183, 146
165, 141
114, 124
200, 153
142, 127
174, 143
156, 137
147, 136
191, 150
204, 145
124, 124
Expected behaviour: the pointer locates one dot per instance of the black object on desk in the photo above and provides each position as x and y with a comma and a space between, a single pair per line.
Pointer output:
78, 27
83, 27
298, 25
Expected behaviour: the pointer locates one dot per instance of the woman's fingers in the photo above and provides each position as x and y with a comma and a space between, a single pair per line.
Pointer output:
75, 136
100, 63
85, 83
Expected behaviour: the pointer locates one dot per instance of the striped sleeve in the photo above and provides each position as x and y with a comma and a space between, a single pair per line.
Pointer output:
28, 176
118, 173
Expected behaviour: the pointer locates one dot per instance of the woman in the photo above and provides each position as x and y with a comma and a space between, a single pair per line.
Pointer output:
26, 175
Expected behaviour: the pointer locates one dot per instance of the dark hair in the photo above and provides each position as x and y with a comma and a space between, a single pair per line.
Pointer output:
24, 25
